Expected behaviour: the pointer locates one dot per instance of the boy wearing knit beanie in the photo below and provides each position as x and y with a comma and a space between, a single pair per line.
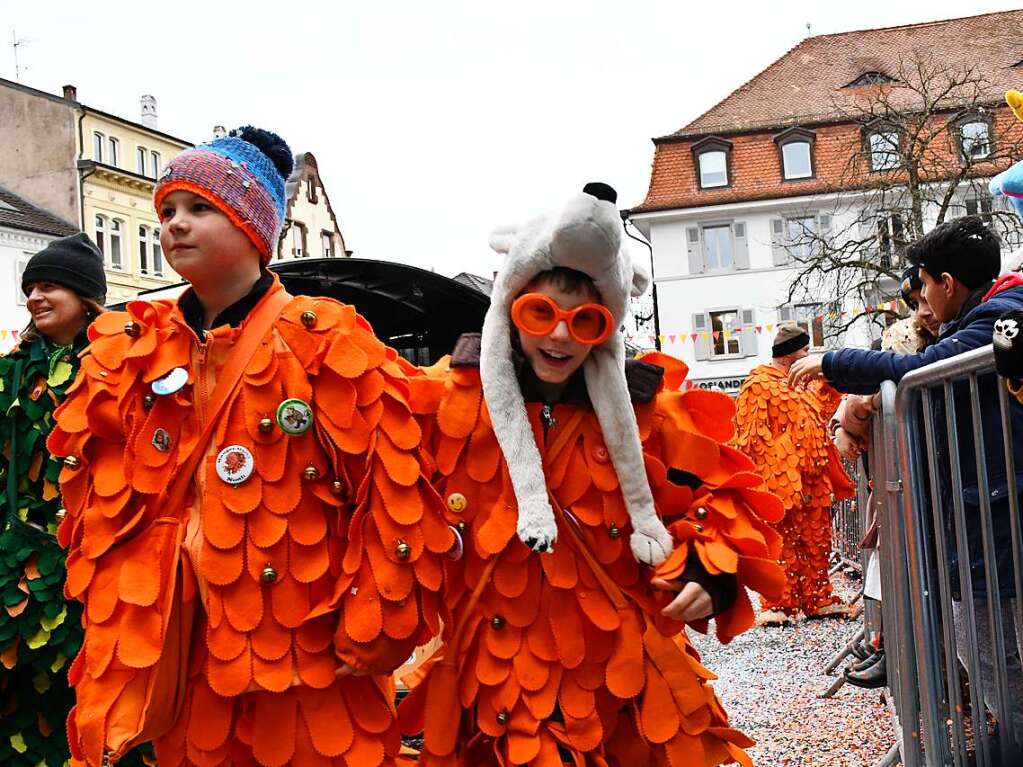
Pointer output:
247, 521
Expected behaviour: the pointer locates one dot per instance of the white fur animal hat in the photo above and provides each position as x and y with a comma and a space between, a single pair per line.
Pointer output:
585, 236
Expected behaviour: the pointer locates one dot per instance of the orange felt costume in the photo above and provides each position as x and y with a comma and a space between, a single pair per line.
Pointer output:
328, 553
783, 430
541, 652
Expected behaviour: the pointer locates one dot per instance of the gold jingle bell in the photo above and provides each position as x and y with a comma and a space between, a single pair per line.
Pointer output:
61, 513
336, 487
266, 425
71, 462
497, 622
132, 329
148, 401
403, 551
461, 525
701, 513
502, 717
698, 527
613, 532
269, 575
310, 473
308, 318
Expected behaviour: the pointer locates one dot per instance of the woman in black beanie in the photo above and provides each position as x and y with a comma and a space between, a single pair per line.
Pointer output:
39, 632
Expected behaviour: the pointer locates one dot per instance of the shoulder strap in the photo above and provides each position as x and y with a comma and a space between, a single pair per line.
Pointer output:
256, 328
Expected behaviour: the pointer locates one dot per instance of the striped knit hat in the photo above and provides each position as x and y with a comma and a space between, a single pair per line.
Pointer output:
243, 175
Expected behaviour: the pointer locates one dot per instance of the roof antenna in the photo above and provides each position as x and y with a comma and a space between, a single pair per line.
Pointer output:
808, 32
17, 42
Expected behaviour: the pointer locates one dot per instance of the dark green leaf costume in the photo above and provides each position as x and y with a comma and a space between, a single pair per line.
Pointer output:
40, 632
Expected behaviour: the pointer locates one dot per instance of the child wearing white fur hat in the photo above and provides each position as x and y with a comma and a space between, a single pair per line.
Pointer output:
601, 511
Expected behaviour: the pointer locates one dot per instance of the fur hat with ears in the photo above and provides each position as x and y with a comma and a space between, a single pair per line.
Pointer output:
586, 235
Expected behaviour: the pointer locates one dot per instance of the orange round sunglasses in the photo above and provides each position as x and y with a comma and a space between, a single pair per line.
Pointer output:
538, 315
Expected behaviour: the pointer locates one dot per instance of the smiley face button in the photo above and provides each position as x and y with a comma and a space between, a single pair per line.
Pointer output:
294, 416
235, 464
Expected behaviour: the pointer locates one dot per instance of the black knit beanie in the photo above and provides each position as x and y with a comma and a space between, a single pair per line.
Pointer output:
74, 262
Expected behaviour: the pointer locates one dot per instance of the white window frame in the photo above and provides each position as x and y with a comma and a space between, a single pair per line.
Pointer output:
156, 251
98, 140
20, 264
100, 230
734, 334
155, 161
706, 254
886, 136
115, 150
966, 144
699, 163
809, 160
140, 159
116, 231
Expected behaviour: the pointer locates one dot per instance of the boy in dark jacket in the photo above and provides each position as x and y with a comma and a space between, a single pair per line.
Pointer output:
958, 262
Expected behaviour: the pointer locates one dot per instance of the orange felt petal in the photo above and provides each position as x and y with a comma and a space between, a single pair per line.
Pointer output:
224, 642
568, 629
657, 708
373, 712
326, 716
272, 675
230, 678
317, 669
209, 721
273, 729
625, 666
141, 637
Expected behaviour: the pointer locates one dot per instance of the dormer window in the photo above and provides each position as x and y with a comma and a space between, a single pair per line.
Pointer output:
712, 157
975, 139
795, 146
871, 78
883, 149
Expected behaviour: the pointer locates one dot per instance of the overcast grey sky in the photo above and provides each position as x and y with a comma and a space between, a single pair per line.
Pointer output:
433, 122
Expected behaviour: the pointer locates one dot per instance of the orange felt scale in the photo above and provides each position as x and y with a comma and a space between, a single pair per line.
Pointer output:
546, 658
277, 610
783, 431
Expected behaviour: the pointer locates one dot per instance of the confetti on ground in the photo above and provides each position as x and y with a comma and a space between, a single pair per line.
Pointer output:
770, 681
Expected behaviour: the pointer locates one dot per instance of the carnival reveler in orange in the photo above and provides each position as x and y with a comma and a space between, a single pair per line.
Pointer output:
784, 431
600, 510
247, 521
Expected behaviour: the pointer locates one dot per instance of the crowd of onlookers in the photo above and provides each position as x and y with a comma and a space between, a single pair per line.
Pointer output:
959, 300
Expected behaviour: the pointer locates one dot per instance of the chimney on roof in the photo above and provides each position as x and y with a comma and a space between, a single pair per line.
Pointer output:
219, 131
70, 93
149, 111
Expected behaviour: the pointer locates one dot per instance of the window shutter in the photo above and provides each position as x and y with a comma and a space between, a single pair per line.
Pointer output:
740, 245
702, 344
749, 333
779, 256
694, 249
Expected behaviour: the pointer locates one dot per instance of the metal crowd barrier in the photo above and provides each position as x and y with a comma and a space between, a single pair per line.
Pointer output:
953, 662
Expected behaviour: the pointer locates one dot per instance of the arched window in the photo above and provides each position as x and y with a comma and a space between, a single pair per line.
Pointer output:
115, 151
144, 249
97, 146
157, 254
796, 148
150, 253
712, 157
140, 160
115, 244
975, 140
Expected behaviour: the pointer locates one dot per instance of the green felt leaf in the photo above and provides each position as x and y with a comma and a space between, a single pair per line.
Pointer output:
61, 373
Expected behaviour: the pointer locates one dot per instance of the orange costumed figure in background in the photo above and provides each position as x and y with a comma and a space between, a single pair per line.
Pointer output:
588, 490
247, 522
783, 430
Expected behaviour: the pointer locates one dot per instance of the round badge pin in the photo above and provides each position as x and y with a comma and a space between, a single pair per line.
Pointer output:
170, 383
294, 416
234, 464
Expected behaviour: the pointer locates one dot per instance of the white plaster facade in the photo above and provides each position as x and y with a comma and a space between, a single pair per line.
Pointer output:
16, 248
753, 287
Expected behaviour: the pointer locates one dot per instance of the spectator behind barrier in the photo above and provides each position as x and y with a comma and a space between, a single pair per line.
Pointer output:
958, 263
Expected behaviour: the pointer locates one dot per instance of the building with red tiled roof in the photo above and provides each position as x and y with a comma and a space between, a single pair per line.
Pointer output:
803, 147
